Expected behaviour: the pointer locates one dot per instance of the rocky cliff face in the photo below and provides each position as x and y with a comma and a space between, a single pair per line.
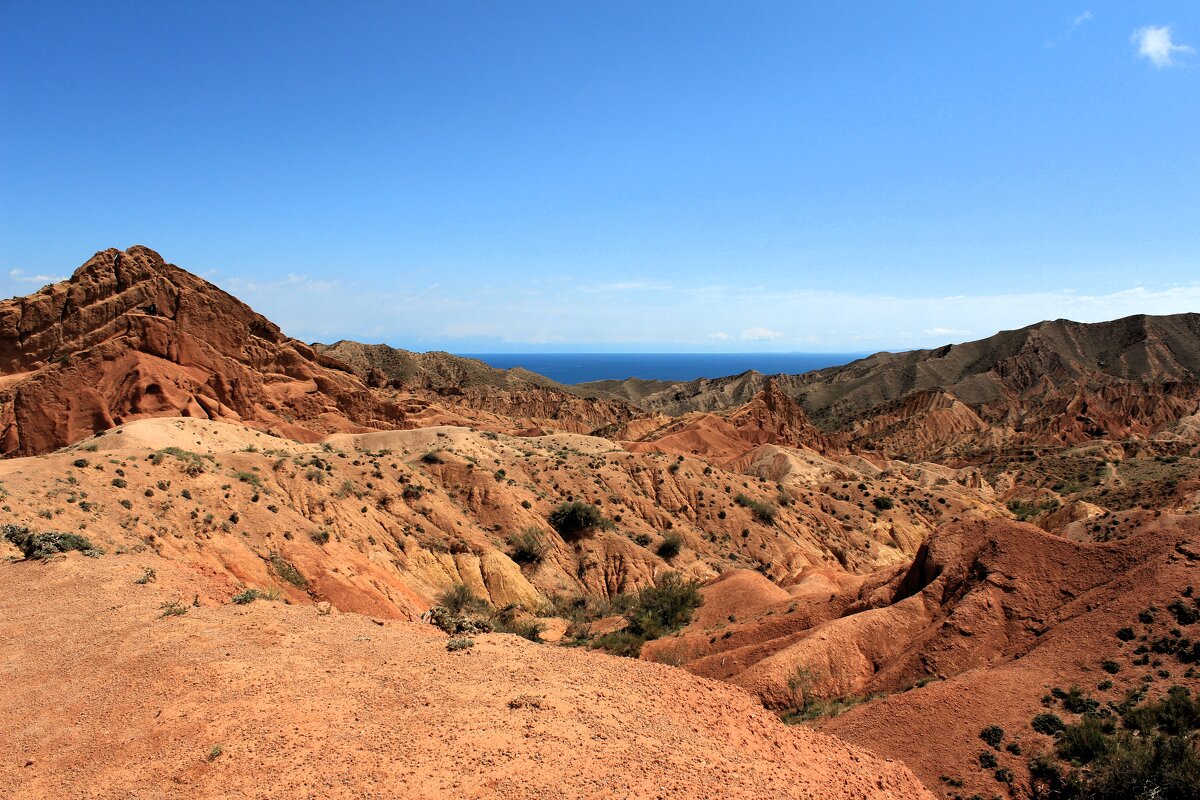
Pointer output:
130, 336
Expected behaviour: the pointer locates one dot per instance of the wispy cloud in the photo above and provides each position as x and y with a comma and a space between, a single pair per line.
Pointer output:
19, 276
760, 334
1073, 24
467, 318
630, 286
1156, 43
292, 282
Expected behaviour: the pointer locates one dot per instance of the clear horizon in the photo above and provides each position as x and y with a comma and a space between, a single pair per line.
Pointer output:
671, 177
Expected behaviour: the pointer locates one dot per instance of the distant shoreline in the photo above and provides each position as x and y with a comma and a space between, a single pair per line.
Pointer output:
573, 368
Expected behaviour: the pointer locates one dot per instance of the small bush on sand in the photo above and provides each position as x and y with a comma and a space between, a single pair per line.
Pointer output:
993, 735
46, 544
245, 596
287, 571
763, 512
173, 608
576, 519
458, 599
528, 547
670, 546
654, 612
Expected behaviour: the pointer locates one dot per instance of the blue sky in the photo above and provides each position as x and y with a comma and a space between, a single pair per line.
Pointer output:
643, 176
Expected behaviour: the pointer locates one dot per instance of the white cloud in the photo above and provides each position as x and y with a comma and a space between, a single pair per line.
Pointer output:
630, 286
1155, 43
19, 276
294, 282
760, 334
1082, 19
470, 318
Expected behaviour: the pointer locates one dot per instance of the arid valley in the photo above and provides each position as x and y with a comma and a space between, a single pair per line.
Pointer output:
237, 564
623, 400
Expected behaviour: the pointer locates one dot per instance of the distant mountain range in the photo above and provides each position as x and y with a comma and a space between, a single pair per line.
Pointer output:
1060, 380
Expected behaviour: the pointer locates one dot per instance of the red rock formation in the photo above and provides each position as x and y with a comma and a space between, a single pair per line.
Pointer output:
130, 336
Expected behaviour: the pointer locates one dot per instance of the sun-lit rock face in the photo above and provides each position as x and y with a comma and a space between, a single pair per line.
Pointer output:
129, 336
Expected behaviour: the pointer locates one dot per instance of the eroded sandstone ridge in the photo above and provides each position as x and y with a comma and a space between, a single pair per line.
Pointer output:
129, 336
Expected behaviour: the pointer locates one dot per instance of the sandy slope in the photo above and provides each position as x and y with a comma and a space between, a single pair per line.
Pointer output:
102, 698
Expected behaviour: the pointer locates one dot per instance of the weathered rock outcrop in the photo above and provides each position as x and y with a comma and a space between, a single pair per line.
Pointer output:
130, 336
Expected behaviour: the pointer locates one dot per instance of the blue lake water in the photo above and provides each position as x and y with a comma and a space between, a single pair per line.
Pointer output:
582, 367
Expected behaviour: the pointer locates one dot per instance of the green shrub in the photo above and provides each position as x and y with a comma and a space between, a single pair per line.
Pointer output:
670, 546
526, 629
1125, 634
763, 512
1083, 741
459, 599
120, 483
173, 608
987, 760
882, 503
1077, 702
432, 457
653, 612
1175, 714
1184, 613
462, 643
993, 735
528, 547
80, 463
1049, 724
664, 608
1160, 761
620, 643
248, 477
1110, 666
1166, 767
320, 537
287, 571
246, 596
576, 519
455, 624
46, 544
193, 462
